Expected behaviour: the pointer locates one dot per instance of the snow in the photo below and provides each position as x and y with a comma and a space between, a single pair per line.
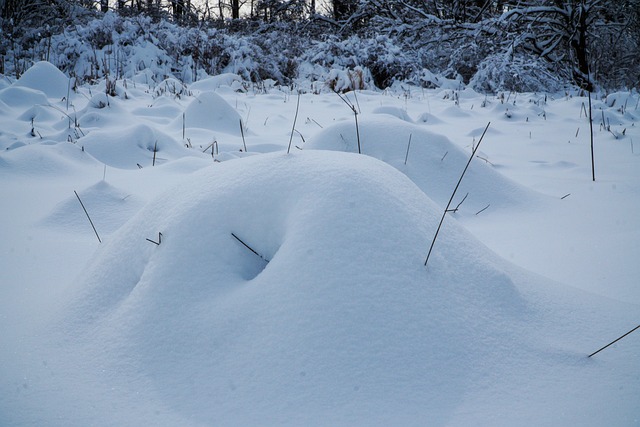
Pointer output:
210, 111
46, 78
132, 147
334, 320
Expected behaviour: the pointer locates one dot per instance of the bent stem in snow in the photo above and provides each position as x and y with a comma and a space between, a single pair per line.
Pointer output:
159, 240
294, 123
473, 153
244, 143
355, 115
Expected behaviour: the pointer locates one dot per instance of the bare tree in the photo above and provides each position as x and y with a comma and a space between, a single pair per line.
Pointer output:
559, 30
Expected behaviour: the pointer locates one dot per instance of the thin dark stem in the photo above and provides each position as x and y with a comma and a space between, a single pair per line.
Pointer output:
294, 124
614, 341
593, 166
244, 143
249, 247
88, 217
155, 150
159, 240
355, 115
355, 95
459, 204
406, 157
344, 100
473, 153
483, 209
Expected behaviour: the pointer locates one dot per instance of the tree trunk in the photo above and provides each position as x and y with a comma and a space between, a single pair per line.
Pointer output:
235, 9
579, 46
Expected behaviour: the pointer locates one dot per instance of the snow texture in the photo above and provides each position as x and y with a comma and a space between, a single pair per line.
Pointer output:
250, 286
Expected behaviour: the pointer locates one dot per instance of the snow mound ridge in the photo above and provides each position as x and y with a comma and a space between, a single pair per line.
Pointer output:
433, 162
330, 307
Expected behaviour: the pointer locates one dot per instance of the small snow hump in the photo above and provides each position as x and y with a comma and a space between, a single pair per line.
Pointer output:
210, 111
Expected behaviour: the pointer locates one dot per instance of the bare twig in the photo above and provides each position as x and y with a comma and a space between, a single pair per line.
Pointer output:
249, 247
355, 115
593, 165
314, 121
459, 204
614, 341
159, 240
294, 124
406, 157
483, 209
88, 217
244, 143
473, 153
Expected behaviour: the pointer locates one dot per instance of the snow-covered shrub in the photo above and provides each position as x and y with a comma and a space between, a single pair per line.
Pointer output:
346, 80
518, 73
385, 61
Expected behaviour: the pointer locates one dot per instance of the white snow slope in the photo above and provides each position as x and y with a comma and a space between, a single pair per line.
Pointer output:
239, 286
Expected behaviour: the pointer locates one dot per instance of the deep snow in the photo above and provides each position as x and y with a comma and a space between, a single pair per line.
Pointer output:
339, 322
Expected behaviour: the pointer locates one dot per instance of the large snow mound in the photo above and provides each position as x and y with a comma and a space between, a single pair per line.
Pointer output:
337, 311
429, 159
45, 77
335, 322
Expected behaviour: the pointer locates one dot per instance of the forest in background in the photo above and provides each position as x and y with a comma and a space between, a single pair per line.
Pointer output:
519, 45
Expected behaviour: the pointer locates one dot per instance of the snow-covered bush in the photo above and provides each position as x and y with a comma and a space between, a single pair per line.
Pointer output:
388, 47
518, 73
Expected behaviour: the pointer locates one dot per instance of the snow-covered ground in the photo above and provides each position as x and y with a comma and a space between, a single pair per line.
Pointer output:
290, 289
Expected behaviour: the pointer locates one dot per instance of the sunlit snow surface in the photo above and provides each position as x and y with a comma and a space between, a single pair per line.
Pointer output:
289, 289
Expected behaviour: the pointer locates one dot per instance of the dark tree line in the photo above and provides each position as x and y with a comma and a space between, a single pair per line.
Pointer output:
589, 41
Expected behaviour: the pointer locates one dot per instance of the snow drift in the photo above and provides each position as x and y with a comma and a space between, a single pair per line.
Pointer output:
290, 289
336, 318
